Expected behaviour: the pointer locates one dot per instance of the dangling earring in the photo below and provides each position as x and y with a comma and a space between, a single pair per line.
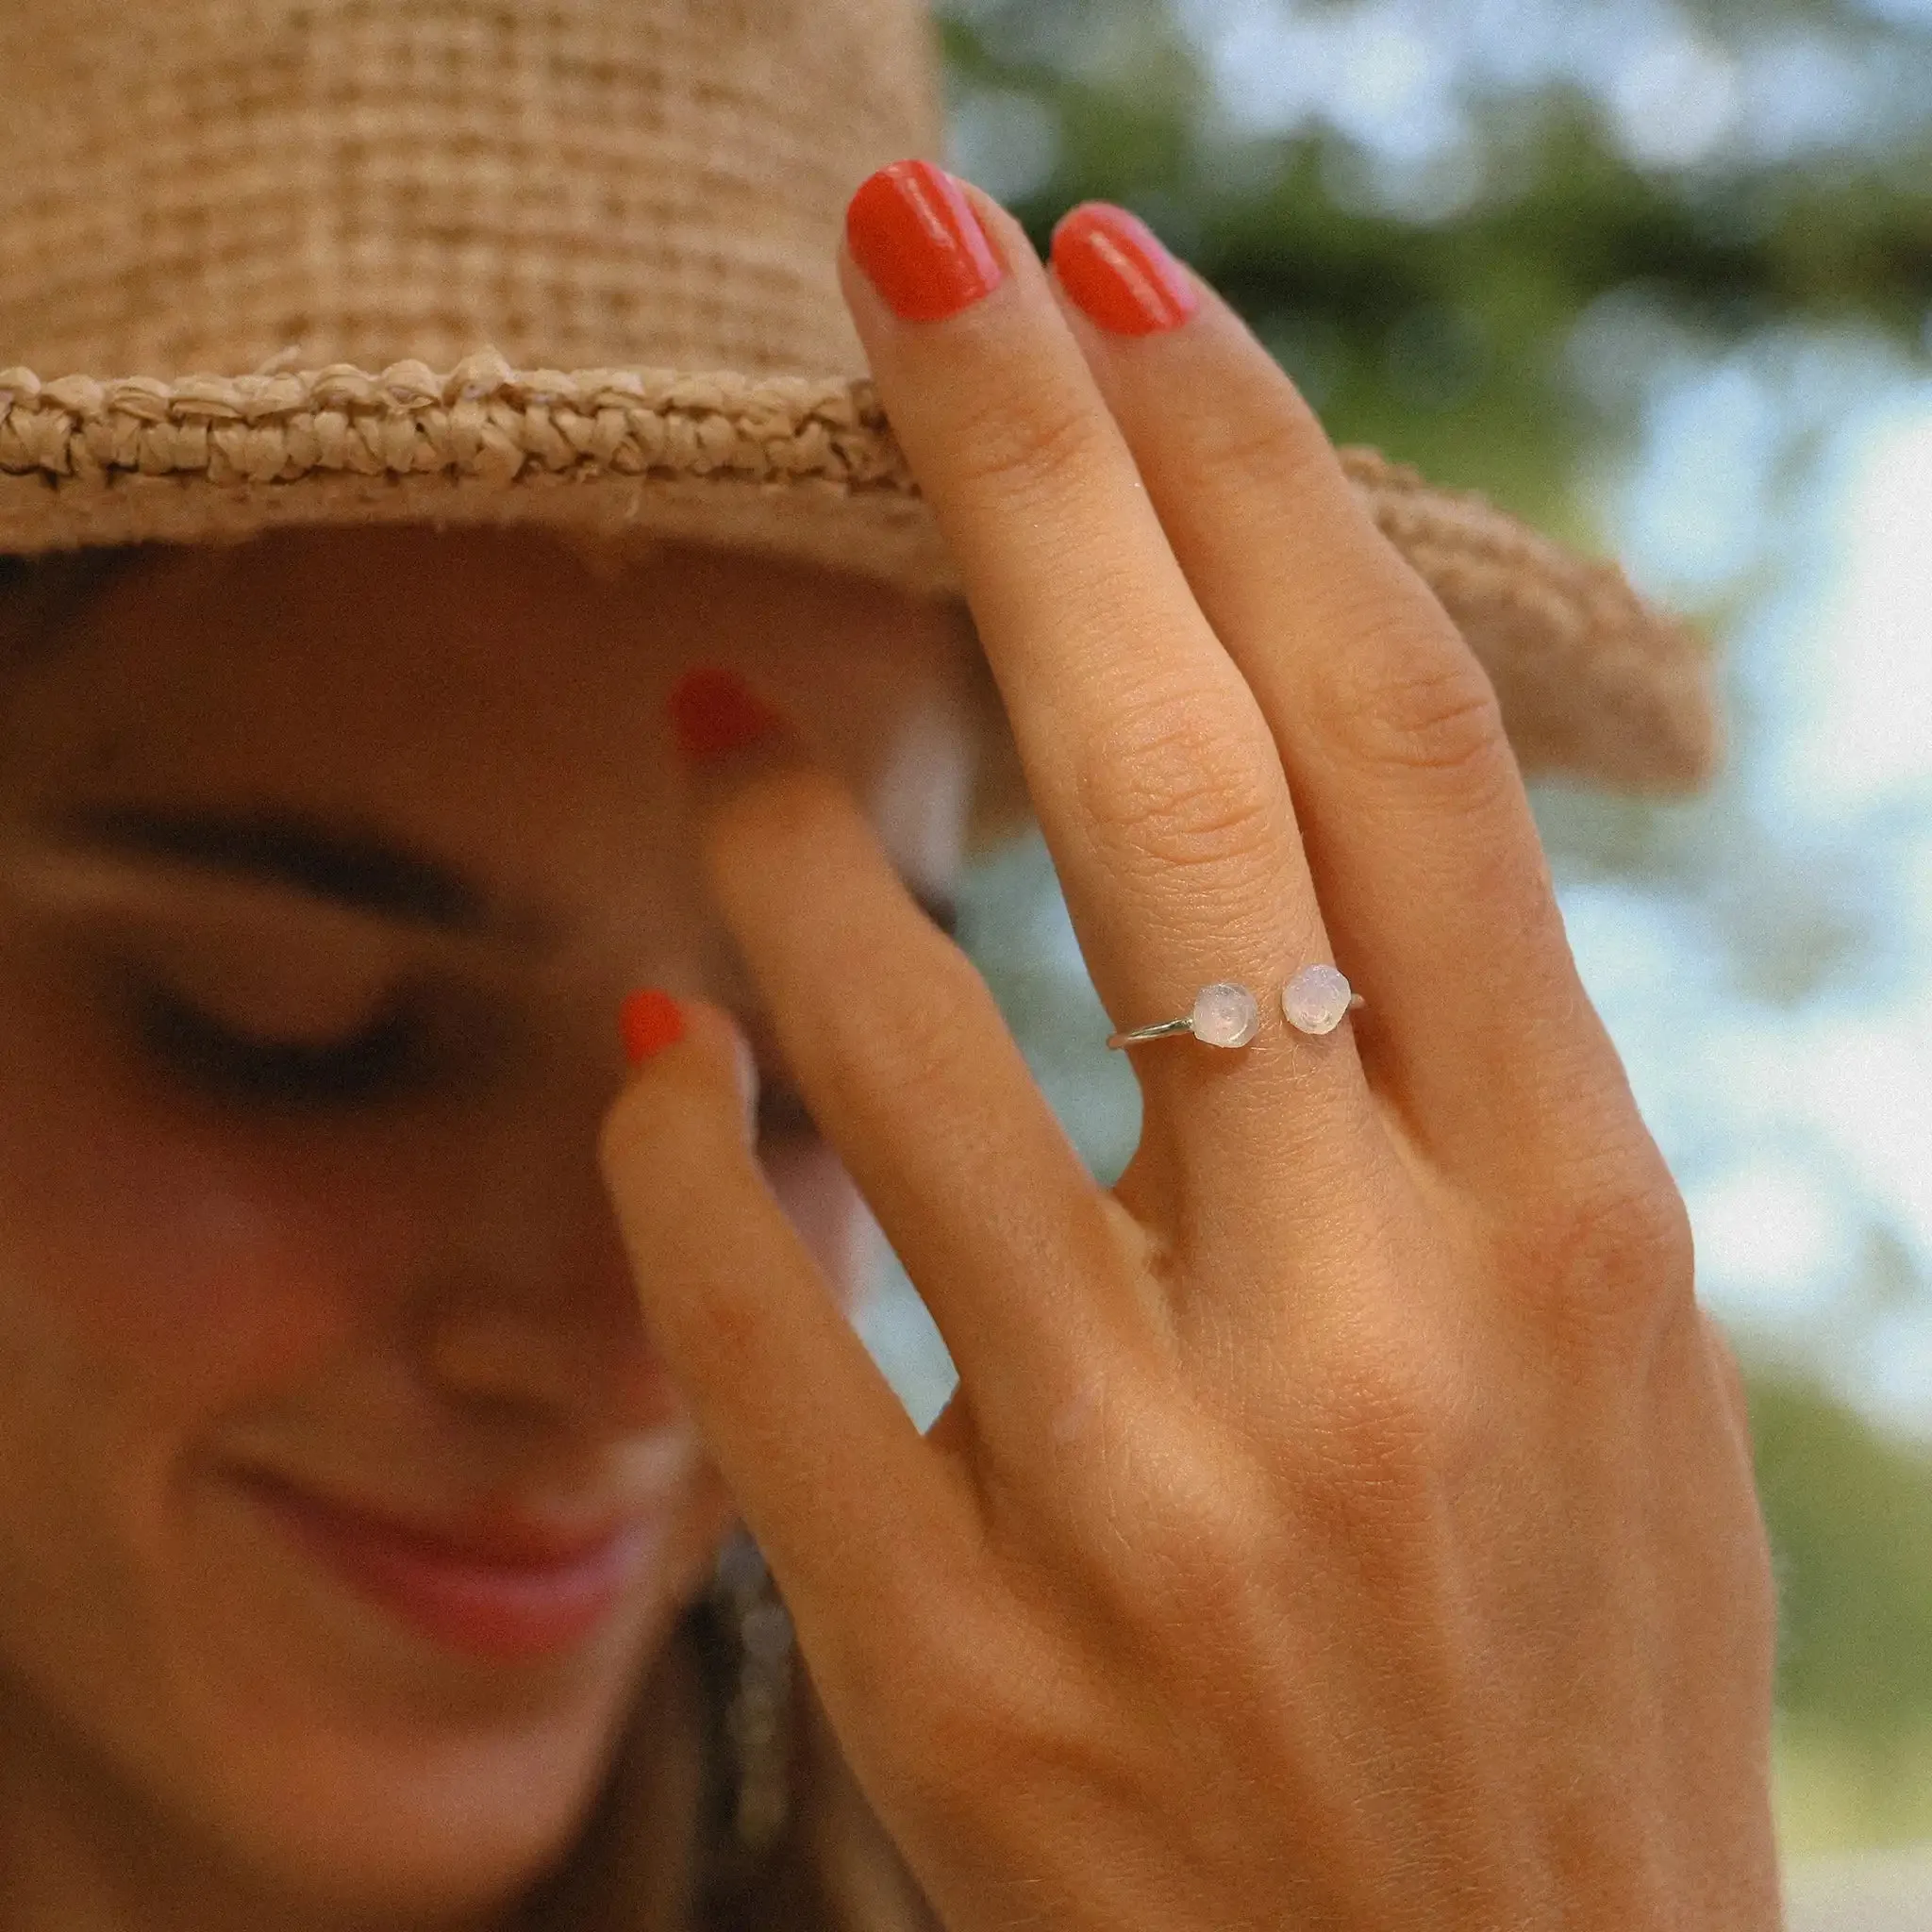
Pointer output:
757, 1720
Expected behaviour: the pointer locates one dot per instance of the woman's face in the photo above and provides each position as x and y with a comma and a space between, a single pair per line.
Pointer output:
391, 1280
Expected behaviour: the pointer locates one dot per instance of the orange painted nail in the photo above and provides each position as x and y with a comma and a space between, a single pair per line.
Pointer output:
714, 712
914, 233
1115, 268
650, 1021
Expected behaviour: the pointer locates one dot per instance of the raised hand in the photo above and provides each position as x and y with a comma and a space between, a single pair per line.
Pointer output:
1347, 1519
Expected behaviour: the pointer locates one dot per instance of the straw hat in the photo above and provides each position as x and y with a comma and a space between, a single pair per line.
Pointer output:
269, 262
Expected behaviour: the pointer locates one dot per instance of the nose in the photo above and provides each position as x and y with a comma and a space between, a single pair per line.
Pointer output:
530, 1307
490, 1358
563, 1343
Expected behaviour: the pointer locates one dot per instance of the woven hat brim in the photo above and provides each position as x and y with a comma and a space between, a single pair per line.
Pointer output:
1593, 682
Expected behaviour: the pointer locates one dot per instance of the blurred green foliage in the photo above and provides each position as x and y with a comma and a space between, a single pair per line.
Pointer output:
1478, 333
1853, 1517
1448, 341
1850, 1514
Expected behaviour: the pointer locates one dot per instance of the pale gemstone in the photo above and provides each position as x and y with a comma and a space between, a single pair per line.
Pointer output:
1226, 1015
1316, 1000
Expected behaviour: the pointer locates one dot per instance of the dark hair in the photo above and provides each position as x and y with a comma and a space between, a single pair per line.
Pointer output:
40, 597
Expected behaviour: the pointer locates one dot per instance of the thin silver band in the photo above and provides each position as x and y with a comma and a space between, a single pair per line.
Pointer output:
1166, 1030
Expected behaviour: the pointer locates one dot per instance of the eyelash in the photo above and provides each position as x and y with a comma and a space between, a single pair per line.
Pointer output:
375, 1064
381, 1062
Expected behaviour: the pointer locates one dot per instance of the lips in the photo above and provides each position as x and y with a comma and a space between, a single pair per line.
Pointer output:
502, 1585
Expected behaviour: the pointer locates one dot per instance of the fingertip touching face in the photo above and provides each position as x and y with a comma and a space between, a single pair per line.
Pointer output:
325, 864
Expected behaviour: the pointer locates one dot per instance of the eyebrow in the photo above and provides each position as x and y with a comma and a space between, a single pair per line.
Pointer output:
351, 864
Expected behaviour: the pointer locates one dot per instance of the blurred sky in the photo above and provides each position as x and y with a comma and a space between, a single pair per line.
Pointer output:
1399, 77
1801, 1129
1772, 989
1680, 85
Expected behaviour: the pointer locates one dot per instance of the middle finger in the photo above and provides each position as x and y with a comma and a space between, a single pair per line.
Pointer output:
1156, 777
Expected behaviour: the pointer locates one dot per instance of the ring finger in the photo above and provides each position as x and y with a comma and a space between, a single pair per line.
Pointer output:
1410, 801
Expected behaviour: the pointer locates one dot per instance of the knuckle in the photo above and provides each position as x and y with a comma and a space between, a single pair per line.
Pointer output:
1729, 1368
1209, 1584
1028, 447
1166, 1529
917, 1030
1632, 1235
1409, 696
1375, 1428
1734, 1391
1384, 1436
1171, 785
1615, 1264
1275, 446
719, 1327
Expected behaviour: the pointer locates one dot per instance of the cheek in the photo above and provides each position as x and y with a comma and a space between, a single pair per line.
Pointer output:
153, 1285
158, 1270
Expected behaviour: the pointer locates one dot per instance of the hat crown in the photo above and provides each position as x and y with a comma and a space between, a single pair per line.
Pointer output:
579, 184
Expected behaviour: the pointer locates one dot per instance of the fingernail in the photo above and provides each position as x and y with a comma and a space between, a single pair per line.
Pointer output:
650, 1021
715, 712
912, 230
1114, 267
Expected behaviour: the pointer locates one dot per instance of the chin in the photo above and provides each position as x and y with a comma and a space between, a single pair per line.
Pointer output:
467, 1838
444, 1831
342, 1768
364, 1806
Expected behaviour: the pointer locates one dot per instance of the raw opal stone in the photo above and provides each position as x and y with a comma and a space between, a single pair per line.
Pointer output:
1226, 1015
1316, 1000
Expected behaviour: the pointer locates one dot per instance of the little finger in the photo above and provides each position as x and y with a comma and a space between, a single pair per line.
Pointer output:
832, 1478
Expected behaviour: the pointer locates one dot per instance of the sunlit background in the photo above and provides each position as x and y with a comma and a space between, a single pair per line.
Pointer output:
1657, 275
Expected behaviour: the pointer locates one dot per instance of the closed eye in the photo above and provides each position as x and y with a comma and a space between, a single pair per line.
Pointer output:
377, 1062
380, 1061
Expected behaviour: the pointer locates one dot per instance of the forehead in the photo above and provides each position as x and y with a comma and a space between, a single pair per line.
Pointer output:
485, 694
408, 605
338, 639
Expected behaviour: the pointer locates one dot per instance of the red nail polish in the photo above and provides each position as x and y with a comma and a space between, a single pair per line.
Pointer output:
650, 1021
714, 712
1114, 267
912, 230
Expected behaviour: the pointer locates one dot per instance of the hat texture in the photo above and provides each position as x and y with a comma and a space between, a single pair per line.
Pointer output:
273, 263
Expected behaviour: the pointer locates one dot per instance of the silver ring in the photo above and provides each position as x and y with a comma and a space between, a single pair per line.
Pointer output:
1315, 1001
1318, 999
1223, 1015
